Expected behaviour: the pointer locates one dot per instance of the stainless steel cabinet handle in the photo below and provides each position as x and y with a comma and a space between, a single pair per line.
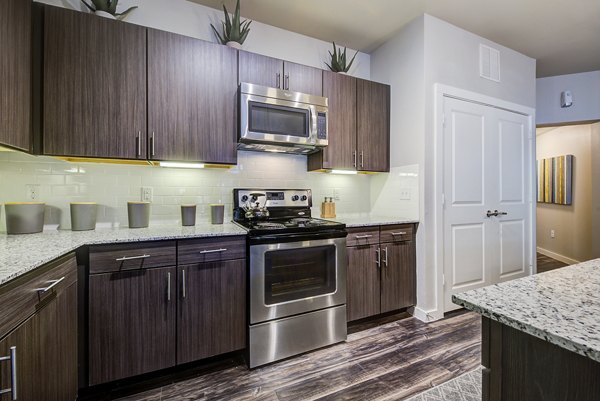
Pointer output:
214, 250
12, 357
54, 284
385, 257
378, 260
354, 156
124, 258
278, 84
152, 152
139, 143
362, 158
363, 236
168, 286
399, 233
183, 283
286, 82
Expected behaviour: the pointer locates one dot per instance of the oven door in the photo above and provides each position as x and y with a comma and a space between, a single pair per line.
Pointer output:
296, 277
273, 120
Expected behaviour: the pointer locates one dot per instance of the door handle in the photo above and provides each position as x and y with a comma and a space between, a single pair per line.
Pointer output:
152, 152
12, 357
495, 213
354, 156
378, 260
286, 82
168, 286
183, 283
53, 284
385, 257
362, 159
139, 144
278, 80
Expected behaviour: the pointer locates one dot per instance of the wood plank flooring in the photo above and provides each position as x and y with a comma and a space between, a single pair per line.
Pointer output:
546, 263
393, 361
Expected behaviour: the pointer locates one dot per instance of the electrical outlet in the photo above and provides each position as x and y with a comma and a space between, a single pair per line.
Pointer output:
147, 194
405, 194
33, 192
336, 194
552, 234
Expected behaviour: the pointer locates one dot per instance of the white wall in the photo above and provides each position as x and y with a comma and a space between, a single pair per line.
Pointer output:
191, 19
585, 88
426, 52
596, 190
113, 185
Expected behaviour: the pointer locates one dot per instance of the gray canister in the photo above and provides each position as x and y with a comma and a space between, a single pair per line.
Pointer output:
83, 216
24, 218
138, 214
216, 214
188, 215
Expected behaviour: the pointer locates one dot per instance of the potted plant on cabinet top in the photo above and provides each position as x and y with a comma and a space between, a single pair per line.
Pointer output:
107, 8
234, 31
338, 60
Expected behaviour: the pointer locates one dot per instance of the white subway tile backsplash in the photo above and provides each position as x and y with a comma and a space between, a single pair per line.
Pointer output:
113, 185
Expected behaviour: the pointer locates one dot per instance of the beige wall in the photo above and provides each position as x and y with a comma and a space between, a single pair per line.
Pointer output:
596, 190
572, 224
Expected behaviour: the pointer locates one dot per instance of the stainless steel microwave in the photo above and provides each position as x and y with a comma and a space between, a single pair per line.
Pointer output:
281, 121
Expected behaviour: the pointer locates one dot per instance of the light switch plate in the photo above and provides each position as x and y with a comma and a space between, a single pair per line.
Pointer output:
405, 194
33, 192
147, 194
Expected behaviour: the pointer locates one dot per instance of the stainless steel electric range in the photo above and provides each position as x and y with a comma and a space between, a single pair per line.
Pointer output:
297, 274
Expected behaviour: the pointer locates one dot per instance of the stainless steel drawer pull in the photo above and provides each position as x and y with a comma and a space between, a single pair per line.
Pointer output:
400, 233
168, 286
183, 283
378, 260
13, 373
363, 236
385, 257
214, 250
124, 258
54, 284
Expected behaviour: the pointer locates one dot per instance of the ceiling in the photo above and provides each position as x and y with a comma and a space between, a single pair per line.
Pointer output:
563, 35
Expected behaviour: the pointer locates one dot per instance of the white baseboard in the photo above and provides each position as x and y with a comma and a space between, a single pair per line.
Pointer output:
426, 316
557, 256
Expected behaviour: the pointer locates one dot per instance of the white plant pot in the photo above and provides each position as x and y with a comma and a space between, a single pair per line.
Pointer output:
234, 45
105, 14
343, 73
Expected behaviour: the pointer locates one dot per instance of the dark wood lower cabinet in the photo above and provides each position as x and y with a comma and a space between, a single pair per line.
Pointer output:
398, 276
211, 312
131, 323
363, 297
46, 349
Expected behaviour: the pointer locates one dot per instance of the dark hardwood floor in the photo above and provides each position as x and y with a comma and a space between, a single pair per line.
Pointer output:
392, 361
546, 263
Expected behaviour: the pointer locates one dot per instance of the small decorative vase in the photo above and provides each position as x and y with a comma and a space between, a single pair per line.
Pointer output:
217, 213
83, 216
24, 217
105, 14
138, 214
234, 45
188, 215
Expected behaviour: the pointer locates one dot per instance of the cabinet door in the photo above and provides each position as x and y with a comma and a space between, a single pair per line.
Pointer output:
261, 70
46, 351
398, 276
131, 323
211, 317
302, 78
192, 107
94, 86
15, 73
373, 126
363, 282
340, 153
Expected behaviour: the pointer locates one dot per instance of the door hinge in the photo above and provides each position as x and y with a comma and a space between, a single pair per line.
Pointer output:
443, 200
443, 119
443, 280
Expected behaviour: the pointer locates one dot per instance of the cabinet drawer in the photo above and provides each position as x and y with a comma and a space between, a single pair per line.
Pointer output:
21, 297
144, 255
211, 249
363, 236
397, 233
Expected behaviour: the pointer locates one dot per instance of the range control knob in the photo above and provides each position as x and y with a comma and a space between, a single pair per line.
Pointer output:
245, 198
304, 197
295, 198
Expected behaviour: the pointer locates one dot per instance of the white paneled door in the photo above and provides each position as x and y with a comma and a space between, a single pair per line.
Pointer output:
486, 196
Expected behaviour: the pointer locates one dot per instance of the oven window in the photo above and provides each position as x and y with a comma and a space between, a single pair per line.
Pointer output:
296, 274
278, 120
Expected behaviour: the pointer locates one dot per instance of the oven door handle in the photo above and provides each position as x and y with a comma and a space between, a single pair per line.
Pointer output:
281, 238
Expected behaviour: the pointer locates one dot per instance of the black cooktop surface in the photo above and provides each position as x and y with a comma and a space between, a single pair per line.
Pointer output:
289, 225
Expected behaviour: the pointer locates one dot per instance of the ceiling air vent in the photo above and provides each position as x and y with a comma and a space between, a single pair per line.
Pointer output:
489, 63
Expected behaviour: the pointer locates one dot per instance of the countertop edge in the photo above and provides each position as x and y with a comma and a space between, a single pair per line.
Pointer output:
565, 343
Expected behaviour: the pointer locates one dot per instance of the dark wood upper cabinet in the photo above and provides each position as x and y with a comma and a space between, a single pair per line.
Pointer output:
211, 309
192, 99
302, 78
131, 323
94, 90
398, 276
373, 126
260, 70
15, 73
340, 153
363, 299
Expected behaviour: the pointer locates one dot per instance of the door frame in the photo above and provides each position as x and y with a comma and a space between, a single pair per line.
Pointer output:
440, 93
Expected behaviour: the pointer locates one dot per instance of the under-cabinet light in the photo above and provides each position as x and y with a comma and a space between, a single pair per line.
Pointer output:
348, 172
181, 165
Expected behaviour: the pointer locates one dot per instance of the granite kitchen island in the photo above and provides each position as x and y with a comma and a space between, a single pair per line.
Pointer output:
541, 335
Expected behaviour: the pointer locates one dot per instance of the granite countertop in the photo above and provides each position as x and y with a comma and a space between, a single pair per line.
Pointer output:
560, 306
20, 254
365, 220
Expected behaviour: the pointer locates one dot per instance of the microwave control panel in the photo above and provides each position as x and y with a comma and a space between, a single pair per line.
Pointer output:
322, 125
